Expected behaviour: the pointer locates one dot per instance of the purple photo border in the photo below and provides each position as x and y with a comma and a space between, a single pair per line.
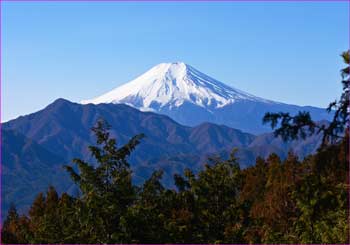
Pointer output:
261, 1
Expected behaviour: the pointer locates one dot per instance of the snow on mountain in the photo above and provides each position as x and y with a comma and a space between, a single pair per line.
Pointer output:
172, 84
190, 97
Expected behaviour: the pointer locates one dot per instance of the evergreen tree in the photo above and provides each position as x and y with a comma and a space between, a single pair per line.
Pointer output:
10, 227
107, 190
15, 228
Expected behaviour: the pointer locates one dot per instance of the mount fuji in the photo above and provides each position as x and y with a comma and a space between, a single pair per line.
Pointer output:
191, 97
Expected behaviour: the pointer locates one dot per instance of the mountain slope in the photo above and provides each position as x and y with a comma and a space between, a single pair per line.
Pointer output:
65, 128
61, 132
191, 98
36, 146
27, 169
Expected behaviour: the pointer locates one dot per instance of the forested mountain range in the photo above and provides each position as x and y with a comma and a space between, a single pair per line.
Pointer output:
36, 146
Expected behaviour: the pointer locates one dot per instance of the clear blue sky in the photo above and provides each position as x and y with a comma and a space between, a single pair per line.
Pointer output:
284, 51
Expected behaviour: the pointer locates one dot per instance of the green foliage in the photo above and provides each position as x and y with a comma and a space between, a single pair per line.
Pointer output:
291, 127
107, 190
275, 201
321, 196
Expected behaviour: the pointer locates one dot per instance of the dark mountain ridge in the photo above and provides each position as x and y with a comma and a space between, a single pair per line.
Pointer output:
36, 146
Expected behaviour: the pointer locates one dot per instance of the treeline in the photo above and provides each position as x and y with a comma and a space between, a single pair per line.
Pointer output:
275, 201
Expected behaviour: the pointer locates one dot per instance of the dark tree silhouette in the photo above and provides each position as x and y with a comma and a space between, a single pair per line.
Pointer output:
302, 125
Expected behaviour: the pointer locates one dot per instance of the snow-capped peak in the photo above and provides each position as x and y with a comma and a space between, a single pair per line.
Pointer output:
172, 84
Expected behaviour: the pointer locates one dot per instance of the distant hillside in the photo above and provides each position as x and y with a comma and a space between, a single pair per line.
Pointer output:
37, 145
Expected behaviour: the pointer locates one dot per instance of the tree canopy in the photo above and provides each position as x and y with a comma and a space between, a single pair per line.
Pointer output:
275, 201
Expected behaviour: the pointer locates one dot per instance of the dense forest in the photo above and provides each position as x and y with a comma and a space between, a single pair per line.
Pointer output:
275, 201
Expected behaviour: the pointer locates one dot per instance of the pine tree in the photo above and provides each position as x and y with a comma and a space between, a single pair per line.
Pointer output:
107, 190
